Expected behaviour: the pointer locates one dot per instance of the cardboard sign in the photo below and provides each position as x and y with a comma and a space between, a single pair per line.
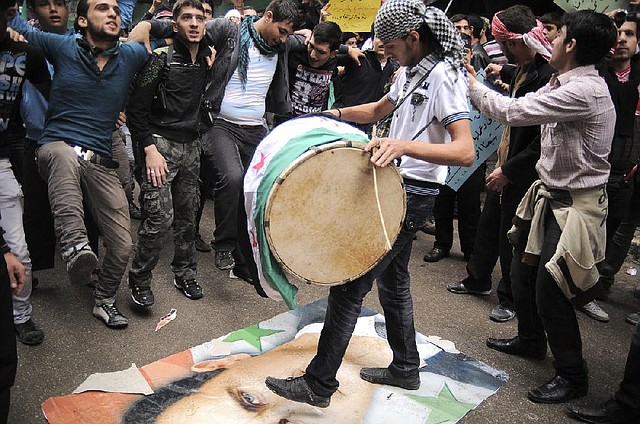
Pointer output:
353, 15
603, 6
486, 134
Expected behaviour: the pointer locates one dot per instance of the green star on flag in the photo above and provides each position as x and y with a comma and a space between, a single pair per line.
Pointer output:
251, 335
444, 407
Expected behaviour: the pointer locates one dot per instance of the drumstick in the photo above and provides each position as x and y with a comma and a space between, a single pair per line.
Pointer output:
375, 188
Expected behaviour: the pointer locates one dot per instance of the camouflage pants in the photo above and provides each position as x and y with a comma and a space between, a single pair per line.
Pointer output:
173, 205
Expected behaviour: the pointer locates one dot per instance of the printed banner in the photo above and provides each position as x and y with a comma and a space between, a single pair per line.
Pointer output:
222, 381
603, 6
486, 133
353, 15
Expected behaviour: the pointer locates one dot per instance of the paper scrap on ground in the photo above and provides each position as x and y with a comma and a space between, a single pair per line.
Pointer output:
126, 381
632, 271
167, 319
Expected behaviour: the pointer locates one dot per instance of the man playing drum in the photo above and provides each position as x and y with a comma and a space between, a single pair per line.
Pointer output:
430, 129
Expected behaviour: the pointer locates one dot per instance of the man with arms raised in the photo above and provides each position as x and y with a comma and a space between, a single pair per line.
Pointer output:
75, 154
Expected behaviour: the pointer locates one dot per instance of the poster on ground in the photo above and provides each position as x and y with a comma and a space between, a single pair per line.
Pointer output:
223, 380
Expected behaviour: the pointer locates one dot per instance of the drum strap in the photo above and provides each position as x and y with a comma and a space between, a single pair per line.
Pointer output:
409, 93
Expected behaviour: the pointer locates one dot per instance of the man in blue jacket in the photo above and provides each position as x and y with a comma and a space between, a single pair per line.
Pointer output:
92, 77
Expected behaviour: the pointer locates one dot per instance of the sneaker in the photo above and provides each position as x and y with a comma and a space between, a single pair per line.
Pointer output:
110, 315
189, 287
28, 333
135, 212
458, 287
633, 318
224, 260
297, 390
502, 313
142, 296
81, 265
201, 246
384, 376
593, 310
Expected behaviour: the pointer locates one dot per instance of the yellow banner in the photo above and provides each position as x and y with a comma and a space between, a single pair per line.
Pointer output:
353, 15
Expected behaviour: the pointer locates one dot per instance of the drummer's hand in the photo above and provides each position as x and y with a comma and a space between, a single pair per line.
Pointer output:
387, 150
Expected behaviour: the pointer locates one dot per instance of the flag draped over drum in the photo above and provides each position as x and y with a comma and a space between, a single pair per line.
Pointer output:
295, 190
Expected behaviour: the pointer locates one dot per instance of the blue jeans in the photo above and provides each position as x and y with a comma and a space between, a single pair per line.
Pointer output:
345, 303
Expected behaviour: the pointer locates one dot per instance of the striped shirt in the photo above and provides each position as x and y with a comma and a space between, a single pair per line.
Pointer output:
577, 119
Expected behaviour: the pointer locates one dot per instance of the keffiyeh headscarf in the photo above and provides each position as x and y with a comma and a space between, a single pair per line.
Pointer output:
396, 18
534, 39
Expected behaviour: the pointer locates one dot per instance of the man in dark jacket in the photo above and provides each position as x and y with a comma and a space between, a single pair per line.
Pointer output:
622, 75
249, 77
163, 118
515, 171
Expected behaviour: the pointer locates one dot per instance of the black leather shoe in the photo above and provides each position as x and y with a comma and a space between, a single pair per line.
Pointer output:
384, 376
605, 413
435, 255
297, 390
458, 287
517, 347
557, 390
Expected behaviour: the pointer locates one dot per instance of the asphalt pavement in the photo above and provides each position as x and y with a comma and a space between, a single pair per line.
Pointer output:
77, 344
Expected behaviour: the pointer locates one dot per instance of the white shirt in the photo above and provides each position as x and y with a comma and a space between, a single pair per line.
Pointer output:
438, 101
247, 107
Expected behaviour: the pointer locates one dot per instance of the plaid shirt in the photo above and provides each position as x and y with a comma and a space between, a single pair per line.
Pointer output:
577, 121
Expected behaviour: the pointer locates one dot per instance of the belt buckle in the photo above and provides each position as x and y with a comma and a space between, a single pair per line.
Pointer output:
83, 153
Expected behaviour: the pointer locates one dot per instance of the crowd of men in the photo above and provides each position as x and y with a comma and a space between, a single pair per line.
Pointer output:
189, 96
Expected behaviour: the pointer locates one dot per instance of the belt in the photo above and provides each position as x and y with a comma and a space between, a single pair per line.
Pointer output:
96, 158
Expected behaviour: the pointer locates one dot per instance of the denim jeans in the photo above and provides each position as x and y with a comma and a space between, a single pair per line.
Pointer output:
11, 222
345, 303
227, 151
544, 313
70, 180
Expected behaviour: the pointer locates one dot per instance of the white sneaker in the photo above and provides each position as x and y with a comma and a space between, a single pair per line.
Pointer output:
593, 310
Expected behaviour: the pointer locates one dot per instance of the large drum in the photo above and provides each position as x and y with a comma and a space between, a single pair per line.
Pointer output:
325, 222
317, 210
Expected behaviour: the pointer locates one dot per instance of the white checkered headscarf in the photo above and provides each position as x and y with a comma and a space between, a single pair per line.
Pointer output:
396, 18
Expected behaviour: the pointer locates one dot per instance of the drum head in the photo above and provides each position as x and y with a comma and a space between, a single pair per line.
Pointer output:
322, 219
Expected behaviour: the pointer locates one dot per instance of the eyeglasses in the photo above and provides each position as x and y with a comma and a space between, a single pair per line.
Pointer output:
622, 16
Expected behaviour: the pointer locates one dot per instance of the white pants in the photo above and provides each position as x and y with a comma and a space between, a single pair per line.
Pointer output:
11, 222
